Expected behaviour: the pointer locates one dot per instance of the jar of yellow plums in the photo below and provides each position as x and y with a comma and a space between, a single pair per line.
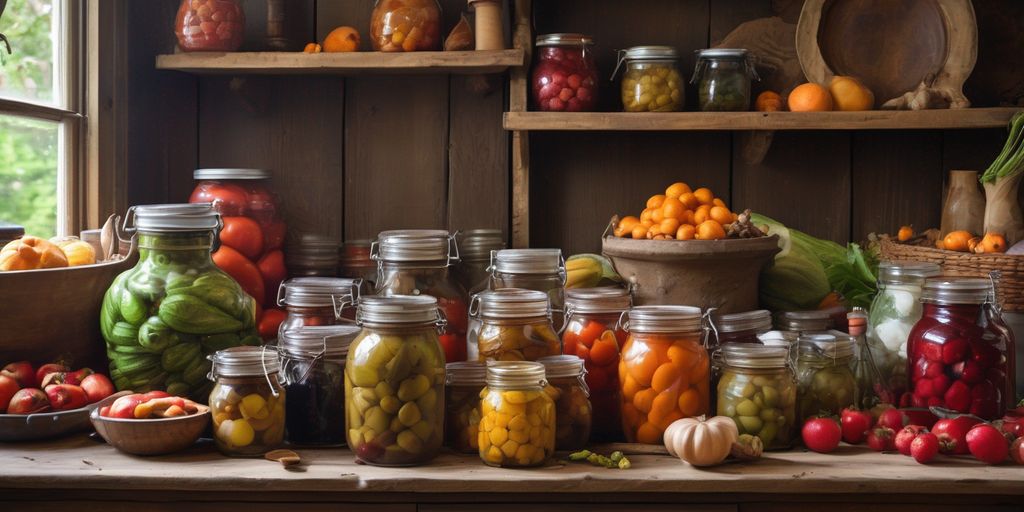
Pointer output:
651, 81
247, 401
517, 425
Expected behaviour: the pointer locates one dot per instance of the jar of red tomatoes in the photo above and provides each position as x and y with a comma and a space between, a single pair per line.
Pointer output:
209, 25
593, 333
961, 353
313, 301
406, 25
564, 74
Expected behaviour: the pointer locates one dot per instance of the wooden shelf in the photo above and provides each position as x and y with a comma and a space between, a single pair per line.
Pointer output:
682, 121
355, 63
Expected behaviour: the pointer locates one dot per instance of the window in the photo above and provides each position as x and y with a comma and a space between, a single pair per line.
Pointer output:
40, 117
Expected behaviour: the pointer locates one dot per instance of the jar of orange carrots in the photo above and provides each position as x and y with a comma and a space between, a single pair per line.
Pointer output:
664, 370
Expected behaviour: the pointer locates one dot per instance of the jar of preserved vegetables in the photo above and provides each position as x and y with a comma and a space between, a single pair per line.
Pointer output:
394, 382
210, 25
465, 381
564, 73
313, 370
573, 413
515, 325
723, 78
161, 318
665, 372
247, 401
517, 425
312, 301
475, 247
416, 262
961, 353
532, 269
593, 333
406, 25
651, 81
824, 375
757, 389
356, 262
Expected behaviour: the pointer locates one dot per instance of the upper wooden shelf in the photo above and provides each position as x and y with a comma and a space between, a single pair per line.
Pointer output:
354, 63
676, 121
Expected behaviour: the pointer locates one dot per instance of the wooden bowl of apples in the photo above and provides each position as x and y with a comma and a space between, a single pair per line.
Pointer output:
151, 423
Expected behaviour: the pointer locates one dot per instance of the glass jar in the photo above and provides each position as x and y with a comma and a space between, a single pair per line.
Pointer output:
515, 325
824, 375
894, 311
464, 382
800, 322
356, 262
312, 301
247, 401
416, 262
210, 25
871, 389
532, 269
742, 327
475, 247
312, 255
162, 317
961, 353
573, 413
592, 332
664, 371
394, 382
564, 73
406, 25
313, 370
723, 78
517, 425
651, 81
757, 389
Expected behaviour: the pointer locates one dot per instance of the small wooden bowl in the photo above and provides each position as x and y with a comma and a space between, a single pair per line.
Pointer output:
152, 436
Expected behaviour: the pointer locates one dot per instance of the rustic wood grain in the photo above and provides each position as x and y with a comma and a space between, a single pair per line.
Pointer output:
356, 63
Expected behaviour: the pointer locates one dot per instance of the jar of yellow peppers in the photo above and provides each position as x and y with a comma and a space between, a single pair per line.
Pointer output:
514, 325
517, 426
464, 382
247, 401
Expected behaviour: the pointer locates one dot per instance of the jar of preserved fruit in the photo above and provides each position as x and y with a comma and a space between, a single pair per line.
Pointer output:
247, 401
961, 353
651, 81
824, 375
313, 370
532, 269
517, 425
465, 381
573, 413
475, 247
210, 25
757, 389
416, 262
163, 316
515, 325
665, 372
394, 382
406, 25
356, 262
723, 78
593, 333
312, 301
564, 73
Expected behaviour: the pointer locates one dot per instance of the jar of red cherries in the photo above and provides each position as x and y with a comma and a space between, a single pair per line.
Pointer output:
564, 74
961, 353
209, 25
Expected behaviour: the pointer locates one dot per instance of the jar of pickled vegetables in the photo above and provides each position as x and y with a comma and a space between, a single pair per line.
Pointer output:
475, 247
515, 325
573, 413
247, 401
311, 301
651, 81
825, 379
356, 263
532, 269
757, 389
593, 333
723, 78
664, 370
313, 370
800, 322
517, 425
394, 382
406, 25
465, 381
210, 25
961, 353
417, 262
564, 73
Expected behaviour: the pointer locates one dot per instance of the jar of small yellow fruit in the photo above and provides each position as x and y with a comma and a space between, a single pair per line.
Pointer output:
517, 425
681, 213
464, 380
515, 325
651, 82
247, 401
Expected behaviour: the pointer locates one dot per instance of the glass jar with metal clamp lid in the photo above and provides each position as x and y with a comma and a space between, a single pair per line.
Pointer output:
651, 81
730, 329
515, 325
313, 301
573, 412
826, 384
464, 380
247, 401
517, 425
564, 75
475, 247
723, 77
758, 390
542, 270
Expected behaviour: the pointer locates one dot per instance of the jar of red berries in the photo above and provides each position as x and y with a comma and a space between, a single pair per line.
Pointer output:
564, 74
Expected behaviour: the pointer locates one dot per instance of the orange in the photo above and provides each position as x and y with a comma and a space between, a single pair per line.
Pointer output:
704, 195
657, 216
686, 232
689, 402
702, 214
669, 226
655, 201
646, 214
768, 101
648, 433
956, 241
677, 189
626, 225
710, 230
639, 231
810, 98
689, 200
342, 39
688, 218
312, 48
849, 94
905, 233
672, 208
720, 214
719, 202
993, 242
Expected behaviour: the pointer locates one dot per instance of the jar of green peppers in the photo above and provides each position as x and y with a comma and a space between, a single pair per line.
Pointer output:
757, 389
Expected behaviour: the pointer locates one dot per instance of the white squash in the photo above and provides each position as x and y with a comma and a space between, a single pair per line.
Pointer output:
701, 442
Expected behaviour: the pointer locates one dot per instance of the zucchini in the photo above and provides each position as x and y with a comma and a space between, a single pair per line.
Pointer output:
123, 333
192, 315
178, 357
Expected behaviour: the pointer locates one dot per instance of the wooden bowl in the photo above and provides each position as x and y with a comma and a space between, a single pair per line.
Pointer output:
153, 436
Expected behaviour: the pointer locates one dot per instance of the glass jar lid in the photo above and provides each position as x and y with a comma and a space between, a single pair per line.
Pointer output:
527, 261
465, 373
244, 361
477, 244
509, 303
826, 345
564, 39
515, 374
722, 54
759, 321
336, 292
906, 272
749, 355
804, 321
556, 367
308, 342
957, 290
778, 338
173, 217
230, 174
603, 299
405, 245
664, 319
398, 309
651, 53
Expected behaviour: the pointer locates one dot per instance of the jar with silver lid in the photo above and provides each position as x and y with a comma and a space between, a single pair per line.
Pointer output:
651, 81
464, 382
723, 77
742, 327
313, 370
758, 390
312, 301
247, 401
542, 270
826, 384
573, 412
564, 77
803, 321
313, 255
475, 247
515, 325
515, 389
356, 262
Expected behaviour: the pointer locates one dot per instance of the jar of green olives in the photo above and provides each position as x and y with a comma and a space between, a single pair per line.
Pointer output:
757, 389
651, 82
723, 77
826, 384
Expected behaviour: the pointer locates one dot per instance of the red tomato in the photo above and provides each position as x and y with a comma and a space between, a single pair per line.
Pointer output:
569, 342
591, 332
243, 235
272, 268
241, 270
456, 312
273, 235
227, 199
261, 203
270, 322
454, 347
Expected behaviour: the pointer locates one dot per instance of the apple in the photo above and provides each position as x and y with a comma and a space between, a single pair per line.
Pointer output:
22, 372
8, 387
97, 387
66, 396
49, 368
28, 401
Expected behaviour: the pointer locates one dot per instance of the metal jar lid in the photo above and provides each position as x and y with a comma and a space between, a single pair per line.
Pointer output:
181, 217
749, 355
515, 374
651, 53
527, 261
564, 39
408, 245
477, 244
803, 321
231, 174
826, 345
465, 373
244, 362
398, 309
557, 367
723, 54
510, 303
664, 319
314, 292
603, 299
907, 272
957, 290
310, 342
758, 320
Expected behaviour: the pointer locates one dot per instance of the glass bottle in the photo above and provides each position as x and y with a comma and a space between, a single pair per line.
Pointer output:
568, 388
651, 81
564, 75
723, 77
312, 301
517, 425
824, 376
464, 382
758, 391
515, 325
871, 388
247, 401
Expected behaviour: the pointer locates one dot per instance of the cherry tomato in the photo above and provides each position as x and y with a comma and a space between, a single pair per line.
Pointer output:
227, 199
242, 270
243, 235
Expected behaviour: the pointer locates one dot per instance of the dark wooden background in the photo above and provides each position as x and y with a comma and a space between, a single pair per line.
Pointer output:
355, 156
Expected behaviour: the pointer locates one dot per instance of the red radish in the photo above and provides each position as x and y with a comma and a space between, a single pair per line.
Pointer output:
891, 418
880, 439
64, 397
987, 444
22, 372
1017, 450
97, 387
8, 387
924, 447
28, 401
906, 436
855, 425
49, 368
821, 434
952, 434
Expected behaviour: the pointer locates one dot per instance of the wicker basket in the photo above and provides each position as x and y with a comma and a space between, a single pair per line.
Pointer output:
1010, 290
